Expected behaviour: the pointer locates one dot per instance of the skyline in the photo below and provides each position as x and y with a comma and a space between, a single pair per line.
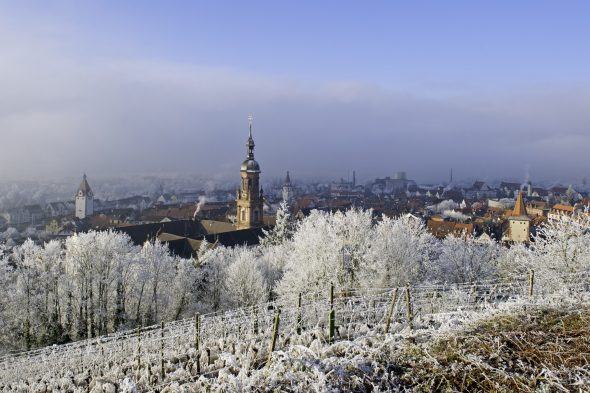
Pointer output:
110, 89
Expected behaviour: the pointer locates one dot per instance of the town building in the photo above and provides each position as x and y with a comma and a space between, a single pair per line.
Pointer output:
480, 190
399, 183
560, 211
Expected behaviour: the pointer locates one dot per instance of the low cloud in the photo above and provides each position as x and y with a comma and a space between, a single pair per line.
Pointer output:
62, 114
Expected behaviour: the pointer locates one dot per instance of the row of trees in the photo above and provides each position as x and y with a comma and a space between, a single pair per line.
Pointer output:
92, 284
99, 282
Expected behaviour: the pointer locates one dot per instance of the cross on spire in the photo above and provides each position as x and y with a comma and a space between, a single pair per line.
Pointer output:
250, 118
250, 144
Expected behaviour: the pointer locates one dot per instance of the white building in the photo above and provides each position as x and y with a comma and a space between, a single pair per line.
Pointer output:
84, 200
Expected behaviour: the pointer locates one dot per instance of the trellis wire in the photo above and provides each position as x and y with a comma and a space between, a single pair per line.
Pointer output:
359, 307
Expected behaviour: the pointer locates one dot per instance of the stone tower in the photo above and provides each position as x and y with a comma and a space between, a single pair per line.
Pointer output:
519, 222
287, 189
250, 196
84, 200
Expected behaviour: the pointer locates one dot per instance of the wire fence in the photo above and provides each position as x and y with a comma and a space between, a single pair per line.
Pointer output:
199, 345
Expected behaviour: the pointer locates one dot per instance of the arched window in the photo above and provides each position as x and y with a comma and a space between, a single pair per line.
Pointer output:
243, 215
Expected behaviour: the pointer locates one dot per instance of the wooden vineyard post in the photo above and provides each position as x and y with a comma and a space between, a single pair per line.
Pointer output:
138, 349
332, 317
531, 282
162, 371
299, 317
275, 333
409, 307
390, 311
255, 320
197, 339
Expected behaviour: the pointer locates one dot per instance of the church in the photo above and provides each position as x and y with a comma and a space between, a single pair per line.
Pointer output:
184, 236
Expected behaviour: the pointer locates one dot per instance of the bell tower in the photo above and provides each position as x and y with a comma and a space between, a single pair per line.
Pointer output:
287, 189
84, 200
250, 195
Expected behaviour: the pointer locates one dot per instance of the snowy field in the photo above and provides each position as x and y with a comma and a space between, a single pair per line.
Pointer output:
229, 351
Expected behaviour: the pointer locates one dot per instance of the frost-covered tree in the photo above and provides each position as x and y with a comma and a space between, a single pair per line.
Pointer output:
244, 282
465, 259
272, 264
327, 248
6, 277
400, 251
154, 272
97, 261
515, 262
283, 229
26, 310
561, 247
213, 271
51, 269
183, 289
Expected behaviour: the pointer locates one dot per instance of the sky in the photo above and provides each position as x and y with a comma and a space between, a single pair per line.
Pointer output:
494, 90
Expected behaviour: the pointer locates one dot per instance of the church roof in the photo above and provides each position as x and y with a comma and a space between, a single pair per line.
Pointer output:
250, 166
519, 208
288, 179
84, 186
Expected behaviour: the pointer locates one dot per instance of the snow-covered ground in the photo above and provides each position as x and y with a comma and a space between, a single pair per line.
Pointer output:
233, 346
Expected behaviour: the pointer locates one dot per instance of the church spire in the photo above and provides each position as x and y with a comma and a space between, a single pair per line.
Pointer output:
250, 144
519, 207
84, 186
250, 197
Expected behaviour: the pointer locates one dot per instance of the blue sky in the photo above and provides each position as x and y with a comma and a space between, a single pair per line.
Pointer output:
468, 43
414, 79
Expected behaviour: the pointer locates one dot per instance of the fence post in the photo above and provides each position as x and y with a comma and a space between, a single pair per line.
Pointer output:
197, 339
299, 317
138, 349
390, 311
409, 307
275, 333
255, 318
332, 318
531, 282
162, 371
224, 332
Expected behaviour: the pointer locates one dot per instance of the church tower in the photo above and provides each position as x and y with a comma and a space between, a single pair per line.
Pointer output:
250, 197
519, 222
84, 200
287, 189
